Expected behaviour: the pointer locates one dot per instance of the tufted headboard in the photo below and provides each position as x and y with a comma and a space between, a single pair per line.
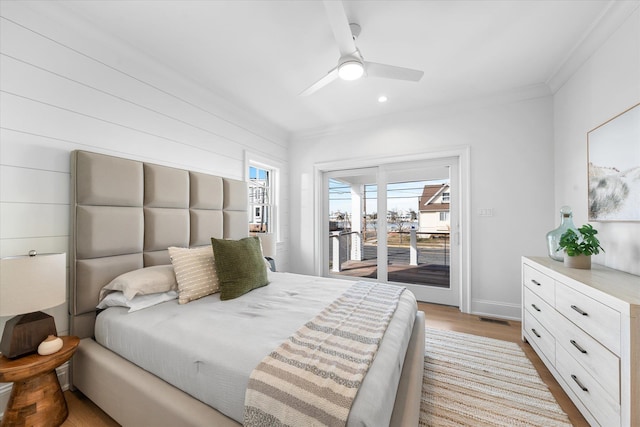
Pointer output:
126, 213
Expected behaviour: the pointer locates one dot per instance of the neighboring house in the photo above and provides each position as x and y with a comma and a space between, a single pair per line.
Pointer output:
259, 198
399, 215
434, 206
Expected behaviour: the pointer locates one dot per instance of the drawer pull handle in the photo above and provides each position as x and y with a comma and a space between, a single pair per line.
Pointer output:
576, 345
584, 313
535, 307
579, 383
536, 333
535, 282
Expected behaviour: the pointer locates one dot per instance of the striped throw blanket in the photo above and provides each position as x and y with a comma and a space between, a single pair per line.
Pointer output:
312, 378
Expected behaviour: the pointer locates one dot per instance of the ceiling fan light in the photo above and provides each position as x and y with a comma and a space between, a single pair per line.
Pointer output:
351, 70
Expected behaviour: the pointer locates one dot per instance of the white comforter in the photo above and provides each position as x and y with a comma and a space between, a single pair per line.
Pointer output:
208, 348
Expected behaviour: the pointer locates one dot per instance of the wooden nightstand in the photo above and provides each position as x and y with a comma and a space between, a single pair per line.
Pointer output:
36, 397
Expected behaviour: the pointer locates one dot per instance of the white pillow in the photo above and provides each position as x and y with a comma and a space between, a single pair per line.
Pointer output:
144, 281
117, 299
195, 272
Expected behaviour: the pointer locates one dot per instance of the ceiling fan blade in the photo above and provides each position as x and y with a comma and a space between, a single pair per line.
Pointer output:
391, 72
331, 76
340, 26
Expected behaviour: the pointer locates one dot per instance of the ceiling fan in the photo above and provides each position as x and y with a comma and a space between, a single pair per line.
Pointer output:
351, 65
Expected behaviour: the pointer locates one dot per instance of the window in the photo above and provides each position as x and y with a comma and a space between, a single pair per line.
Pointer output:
263, 176
261, 199
446, 197
444, 216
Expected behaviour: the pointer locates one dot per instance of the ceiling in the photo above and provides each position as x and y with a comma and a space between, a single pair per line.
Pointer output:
259, 55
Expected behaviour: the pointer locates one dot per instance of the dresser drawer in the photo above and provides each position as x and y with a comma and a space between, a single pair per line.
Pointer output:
596, 319
603, 365
539, 336
538, 308
598, 402
541, 284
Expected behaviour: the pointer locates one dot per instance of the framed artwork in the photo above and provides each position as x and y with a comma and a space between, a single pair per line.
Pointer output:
614, 168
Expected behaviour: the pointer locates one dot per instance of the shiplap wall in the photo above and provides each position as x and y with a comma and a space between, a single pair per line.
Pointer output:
66, 86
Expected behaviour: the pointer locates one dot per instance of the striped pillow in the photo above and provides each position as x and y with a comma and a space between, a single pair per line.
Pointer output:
195, 272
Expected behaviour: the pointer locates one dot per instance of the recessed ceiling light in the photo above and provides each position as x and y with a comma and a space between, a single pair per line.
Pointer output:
382, 98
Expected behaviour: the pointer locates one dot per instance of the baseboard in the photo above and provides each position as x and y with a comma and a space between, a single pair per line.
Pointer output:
5, 388
497, 309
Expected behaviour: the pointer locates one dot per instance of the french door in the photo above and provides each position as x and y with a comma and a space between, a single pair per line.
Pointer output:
396, 223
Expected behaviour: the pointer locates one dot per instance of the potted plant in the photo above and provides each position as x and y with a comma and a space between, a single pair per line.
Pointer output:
578, 247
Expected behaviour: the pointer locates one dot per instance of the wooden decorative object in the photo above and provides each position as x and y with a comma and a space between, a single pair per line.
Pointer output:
578, 261
36, 397
22, 334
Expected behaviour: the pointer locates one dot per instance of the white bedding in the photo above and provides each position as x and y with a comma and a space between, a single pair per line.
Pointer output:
213, 362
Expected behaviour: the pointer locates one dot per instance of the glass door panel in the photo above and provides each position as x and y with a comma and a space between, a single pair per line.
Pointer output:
418, 232
353, 225
410, 243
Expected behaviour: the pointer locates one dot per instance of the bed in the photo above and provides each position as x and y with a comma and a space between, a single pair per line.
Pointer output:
125, 216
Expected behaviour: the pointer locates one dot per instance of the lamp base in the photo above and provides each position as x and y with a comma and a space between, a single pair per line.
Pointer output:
272, 263
23, 333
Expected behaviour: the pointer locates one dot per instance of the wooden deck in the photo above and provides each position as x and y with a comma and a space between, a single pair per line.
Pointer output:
432, 268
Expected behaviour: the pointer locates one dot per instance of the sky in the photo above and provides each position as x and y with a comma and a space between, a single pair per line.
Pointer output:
400, 196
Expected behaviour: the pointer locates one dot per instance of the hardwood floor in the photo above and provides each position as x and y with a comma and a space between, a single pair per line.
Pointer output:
82, 412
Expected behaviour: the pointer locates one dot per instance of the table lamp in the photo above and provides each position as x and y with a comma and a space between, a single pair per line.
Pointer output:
29, 284
268, 242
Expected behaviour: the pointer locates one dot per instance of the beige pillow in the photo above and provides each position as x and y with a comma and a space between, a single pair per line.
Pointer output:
144, 281
195, 272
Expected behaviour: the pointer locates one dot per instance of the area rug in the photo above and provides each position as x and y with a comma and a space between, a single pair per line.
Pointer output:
477, 381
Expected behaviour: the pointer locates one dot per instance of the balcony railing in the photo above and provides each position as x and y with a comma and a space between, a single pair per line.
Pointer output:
412, 256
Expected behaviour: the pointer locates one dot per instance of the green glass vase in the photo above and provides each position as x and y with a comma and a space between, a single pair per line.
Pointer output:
553, 237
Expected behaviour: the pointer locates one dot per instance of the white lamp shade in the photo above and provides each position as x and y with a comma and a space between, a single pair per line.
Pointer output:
32, 283
268, 242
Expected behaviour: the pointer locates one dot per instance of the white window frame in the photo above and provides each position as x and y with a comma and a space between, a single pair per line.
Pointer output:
274, 167
260, 197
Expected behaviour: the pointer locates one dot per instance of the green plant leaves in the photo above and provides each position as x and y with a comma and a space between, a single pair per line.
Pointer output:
585, 243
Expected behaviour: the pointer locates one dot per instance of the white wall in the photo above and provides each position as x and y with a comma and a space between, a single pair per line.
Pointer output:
528, 158
511, 150
65, 87
607, 84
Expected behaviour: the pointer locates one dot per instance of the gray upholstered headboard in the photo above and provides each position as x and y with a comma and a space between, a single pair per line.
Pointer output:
126, 213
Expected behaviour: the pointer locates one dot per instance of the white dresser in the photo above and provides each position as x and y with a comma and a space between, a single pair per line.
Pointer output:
585, 326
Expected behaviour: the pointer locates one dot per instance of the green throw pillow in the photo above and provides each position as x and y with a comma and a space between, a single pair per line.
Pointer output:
239, 265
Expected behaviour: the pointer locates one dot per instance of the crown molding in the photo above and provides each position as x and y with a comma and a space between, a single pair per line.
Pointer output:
609, 21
